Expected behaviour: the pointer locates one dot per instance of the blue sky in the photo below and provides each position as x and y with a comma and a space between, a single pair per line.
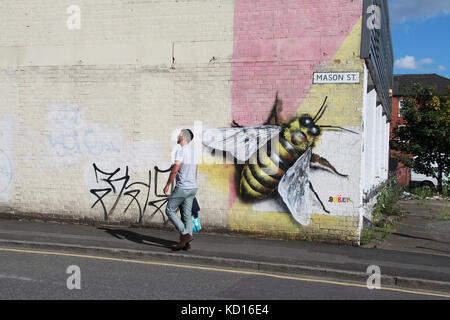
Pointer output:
421, 36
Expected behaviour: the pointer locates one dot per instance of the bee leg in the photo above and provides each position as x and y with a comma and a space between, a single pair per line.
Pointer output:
324, 162
275, 115
317, 196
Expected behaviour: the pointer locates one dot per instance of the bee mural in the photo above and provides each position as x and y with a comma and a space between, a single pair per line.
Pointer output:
276, 157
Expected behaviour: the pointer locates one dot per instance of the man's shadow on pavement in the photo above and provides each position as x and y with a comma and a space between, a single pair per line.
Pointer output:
138, 238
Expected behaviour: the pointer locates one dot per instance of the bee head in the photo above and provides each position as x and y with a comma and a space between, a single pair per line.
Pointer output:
307, 122
302, 132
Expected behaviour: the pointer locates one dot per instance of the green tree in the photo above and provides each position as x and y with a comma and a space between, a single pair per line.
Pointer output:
423, 143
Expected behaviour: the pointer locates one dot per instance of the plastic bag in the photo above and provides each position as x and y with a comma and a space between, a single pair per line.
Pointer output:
197, 226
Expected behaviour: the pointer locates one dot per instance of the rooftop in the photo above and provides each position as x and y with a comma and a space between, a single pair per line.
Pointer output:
403, 82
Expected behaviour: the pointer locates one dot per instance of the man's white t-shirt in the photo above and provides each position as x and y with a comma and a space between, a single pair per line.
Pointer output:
186, 177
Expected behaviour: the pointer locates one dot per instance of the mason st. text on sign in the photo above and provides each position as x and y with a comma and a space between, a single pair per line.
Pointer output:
336, 77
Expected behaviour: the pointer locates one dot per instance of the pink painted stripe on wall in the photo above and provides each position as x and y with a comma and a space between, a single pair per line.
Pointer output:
278, 45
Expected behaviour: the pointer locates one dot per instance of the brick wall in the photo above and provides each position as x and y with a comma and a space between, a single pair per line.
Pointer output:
108, 94
81, 104
402, 172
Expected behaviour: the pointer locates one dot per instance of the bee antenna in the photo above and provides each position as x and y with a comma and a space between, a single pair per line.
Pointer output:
336, 127
320, 116
320, 112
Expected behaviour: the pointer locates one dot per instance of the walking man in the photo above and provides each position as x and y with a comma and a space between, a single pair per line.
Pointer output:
184, 170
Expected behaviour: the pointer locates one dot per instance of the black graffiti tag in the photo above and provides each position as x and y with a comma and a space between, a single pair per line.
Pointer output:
101, 193
132, 190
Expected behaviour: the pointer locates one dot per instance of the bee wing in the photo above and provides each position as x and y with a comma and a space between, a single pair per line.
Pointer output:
241, 142
294, 188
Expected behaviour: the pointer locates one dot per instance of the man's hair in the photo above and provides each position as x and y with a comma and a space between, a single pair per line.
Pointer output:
187, 135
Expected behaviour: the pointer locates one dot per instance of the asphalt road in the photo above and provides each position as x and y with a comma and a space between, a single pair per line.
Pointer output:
33, 274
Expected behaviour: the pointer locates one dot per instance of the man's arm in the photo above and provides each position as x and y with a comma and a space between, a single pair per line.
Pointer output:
173, 174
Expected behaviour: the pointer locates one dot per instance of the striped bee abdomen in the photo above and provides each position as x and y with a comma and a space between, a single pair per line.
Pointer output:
262, 173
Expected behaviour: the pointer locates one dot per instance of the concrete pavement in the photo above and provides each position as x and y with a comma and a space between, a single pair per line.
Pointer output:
424, 229
398, 268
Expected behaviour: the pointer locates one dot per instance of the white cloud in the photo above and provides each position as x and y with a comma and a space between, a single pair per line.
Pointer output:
426, 61
410, 63
401, 11
442, 68
407, 62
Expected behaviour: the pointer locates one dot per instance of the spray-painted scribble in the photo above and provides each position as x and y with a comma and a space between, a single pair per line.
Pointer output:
71, 139
103, 192
6, 172
116, 181
158, 204
6, 159
69, 136
283, 167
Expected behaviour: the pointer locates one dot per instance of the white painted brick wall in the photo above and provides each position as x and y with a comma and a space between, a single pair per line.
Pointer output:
113, 92
107, 94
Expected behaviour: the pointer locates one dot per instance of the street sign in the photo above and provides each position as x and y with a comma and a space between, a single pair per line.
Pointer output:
336, 77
